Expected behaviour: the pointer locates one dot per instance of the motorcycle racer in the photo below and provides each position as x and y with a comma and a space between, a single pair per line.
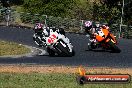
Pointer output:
38, 37
90, 28
42, 31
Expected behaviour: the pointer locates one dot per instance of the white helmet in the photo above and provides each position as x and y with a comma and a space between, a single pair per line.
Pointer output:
88, 23
88, 26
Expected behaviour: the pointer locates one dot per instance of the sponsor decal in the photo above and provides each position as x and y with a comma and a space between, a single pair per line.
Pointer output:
52, 38
84, 78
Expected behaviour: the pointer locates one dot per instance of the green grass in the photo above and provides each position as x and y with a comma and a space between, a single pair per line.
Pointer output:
10, 48
57, 80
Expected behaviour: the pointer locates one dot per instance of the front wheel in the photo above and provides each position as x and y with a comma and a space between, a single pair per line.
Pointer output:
92, 46
64, 50
113, 47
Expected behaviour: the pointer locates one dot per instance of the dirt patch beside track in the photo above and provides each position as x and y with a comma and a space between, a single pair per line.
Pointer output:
62, 69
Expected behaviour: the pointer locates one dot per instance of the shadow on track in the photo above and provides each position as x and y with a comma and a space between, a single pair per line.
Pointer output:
98, 50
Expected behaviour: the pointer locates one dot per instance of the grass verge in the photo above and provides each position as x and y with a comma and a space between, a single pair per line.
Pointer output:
39, 76
56, 80
10, 48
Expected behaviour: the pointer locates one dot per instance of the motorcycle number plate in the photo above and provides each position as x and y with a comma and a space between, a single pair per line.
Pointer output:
101, 33
52, 38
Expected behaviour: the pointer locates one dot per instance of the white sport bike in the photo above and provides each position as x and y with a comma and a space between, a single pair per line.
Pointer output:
59, 44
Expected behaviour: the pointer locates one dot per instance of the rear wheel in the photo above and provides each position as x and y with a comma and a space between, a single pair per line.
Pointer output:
50, 51
113, 47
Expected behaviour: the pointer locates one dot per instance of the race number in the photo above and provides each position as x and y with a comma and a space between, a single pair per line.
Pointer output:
52, 38
100, 32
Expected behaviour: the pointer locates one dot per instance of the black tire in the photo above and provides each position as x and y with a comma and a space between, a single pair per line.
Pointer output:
65, 52
92, 46
113, 47
51, 52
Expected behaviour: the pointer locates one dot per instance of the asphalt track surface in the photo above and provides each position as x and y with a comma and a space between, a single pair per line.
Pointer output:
83, 56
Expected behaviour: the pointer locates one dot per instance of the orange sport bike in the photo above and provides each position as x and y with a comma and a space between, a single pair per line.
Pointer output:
105, 40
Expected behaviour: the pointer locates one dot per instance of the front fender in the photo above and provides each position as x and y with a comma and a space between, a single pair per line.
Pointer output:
64, 38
